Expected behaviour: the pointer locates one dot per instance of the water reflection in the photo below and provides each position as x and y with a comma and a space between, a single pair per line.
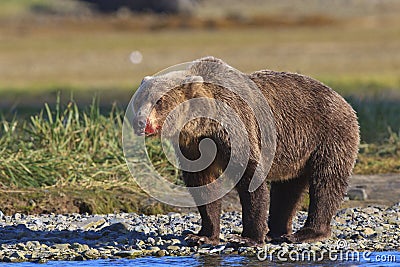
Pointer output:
390, 259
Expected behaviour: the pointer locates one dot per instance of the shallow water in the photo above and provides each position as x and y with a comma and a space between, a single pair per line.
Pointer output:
374, 259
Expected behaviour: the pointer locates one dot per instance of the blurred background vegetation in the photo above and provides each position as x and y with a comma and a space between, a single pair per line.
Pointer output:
65, 52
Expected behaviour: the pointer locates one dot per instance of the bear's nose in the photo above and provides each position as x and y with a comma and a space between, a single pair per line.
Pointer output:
141, 122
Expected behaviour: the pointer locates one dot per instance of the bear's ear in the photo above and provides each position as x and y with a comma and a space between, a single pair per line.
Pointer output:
145, 79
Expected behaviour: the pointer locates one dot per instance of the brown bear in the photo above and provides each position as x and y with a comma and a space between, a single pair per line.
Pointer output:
317, 138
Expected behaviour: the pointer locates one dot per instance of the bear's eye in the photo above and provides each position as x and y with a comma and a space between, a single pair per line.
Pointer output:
159, 102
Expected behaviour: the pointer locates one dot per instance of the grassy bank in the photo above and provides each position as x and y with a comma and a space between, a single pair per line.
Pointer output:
68, 160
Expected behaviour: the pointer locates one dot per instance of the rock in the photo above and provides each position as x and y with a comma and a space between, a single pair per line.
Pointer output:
393, 221
119, 227
371, 210
228, 250
161, 253
206, 246
217, 249
379, 229
247, 251
35, 255
21, 246
378, 247
204, 251
173, 248
143, 229
173, 215
80, 247
91, 253
6, 259
32, 245
175, 241
128, 253
355, 236
18, 256
79, 258
368, 231
61, 247
154, 249
17, 216
357, 194
151, 241
95, 222
236, 230
140, 243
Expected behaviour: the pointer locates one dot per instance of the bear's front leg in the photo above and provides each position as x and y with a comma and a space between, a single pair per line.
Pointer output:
254, 213
210, 212
210, 225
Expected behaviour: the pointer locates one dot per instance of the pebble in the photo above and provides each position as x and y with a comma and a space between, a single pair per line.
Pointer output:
154, 249
174, 248
357, 194
161, 253
368, 231
175, 241
128, 253
128, 235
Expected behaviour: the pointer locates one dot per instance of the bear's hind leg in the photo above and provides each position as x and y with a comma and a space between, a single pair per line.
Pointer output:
328, 185
285, 197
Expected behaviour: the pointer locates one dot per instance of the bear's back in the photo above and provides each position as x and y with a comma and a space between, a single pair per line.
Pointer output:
306, 113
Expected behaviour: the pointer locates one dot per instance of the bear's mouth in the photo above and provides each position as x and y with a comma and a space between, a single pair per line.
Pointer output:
150, 129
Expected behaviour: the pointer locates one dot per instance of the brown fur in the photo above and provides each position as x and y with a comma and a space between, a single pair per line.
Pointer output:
317, 144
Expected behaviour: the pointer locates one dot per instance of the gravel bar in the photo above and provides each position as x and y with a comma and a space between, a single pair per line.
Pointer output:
40, 238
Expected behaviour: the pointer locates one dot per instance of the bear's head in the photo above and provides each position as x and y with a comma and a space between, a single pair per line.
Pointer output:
159, 97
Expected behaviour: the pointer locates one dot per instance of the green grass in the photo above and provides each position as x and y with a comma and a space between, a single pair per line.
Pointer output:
380, 158
378, 117
20, 8
62, 146
69, 146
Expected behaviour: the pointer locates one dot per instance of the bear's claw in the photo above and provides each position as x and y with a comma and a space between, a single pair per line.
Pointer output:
198, 240
305, 235
243, 241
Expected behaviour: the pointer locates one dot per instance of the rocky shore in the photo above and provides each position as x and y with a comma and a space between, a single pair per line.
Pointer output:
41, 238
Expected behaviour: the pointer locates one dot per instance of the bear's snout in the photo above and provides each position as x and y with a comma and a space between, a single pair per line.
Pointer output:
139, 125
